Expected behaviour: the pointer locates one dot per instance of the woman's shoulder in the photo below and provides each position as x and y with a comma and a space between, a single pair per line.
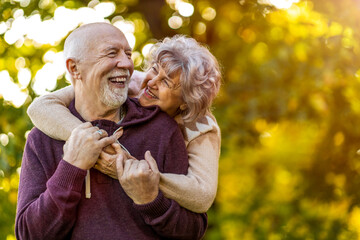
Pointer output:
202, 125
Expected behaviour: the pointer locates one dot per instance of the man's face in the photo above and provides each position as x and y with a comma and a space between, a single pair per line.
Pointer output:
106, 68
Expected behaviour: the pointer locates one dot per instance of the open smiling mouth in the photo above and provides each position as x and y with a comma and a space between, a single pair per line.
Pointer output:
149, 94
119, 81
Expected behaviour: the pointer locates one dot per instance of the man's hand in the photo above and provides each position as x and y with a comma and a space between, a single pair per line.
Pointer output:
84, 145
139, 179
107, 159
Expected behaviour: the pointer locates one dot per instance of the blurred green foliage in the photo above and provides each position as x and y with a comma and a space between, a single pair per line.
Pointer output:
288, 110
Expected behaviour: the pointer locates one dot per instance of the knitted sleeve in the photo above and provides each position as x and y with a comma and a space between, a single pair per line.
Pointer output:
50, 114
47, 206
196, 191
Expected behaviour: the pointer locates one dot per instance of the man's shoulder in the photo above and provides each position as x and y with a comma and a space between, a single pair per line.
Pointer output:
38, 137
149, 115
35, 133
164, 124
163, 118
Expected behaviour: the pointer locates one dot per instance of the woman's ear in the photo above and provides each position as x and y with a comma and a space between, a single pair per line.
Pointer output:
72, 68
183, 106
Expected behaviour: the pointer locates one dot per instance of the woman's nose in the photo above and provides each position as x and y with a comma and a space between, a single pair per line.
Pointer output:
152, 82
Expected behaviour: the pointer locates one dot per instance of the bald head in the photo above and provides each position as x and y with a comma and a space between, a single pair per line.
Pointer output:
78, 43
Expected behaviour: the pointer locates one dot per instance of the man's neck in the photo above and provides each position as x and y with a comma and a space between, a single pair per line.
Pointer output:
90, 111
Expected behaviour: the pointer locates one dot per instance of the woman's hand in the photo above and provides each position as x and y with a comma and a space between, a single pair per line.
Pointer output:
106, 162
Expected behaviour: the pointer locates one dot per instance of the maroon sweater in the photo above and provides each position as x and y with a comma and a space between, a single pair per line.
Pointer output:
52, 203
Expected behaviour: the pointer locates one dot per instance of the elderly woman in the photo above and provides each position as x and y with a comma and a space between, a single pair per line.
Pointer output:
182, 78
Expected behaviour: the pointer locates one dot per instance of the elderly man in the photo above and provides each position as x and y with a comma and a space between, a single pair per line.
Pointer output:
52, 203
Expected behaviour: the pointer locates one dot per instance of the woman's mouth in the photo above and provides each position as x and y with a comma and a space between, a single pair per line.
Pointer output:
149, 94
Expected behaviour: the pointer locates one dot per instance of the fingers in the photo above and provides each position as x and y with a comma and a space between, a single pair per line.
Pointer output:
120, 165
117, 147
127, 164
105, 156
151, 161
143, 166
106, 141
84, 125
99, 133
118, 133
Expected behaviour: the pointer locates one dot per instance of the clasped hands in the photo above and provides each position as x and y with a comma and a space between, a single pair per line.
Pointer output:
89, 147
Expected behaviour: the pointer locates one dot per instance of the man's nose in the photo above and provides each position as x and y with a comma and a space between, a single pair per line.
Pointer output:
125, 62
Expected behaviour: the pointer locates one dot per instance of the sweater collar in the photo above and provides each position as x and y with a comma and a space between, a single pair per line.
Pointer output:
135, 113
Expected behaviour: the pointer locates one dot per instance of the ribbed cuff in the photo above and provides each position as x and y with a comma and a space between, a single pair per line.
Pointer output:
68, 176
156, 208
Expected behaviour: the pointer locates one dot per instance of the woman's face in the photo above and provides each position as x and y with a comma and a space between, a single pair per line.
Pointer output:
161, 90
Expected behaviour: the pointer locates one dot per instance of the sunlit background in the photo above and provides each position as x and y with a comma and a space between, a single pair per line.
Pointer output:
289, 107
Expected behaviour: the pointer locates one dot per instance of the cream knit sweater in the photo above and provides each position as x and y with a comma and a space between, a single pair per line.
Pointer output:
195, 191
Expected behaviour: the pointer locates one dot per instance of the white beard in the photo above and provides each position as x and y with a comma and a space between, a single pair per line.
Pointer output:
115, 97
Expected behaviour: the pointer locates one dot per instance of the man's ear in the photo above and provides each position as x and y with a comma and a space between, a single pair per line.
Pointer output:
71, 66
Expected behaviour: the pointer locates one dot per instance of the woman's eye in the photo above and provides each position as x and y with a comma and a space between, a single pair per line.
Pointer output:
154, 69
166, 82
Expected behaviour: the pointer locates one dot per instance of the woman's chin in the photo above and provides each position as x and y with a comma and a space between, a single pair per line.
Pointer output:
144, 101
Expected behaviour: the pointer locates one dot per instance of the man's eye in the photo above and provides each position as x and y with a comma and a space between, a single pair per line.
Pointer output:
129, 54
112, 54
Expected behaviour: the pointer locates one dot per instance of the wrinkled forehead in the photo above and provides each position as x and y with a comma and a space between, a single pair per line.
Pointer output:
109, 36
112, 42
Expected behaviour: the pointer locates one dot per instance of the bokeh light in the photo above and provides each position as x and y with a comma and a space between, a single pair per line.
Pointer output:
52, 31
4, 139
200, 28
137, 58
24, 77
10, 91
175, 22
105, 9
208, 14
280, 4
128, 28
46, 78
146, 49
130, 37
3, 27
23, 3
185, 9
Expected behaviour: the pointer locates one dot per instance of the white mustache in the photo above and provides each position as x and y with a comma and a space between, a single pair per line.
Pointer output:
120, 72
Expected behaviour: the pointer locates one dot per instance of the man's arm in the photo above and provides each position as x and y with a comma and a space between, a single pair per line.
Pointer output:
49, 193
46, 207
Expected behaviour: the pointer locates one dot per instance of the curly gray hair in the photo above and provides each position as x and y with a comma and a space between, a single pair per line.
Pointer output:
200, 75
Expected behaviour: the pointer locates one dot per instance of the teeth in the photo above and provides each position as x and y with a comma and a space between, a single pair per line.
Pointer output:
118, 79
150, 93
